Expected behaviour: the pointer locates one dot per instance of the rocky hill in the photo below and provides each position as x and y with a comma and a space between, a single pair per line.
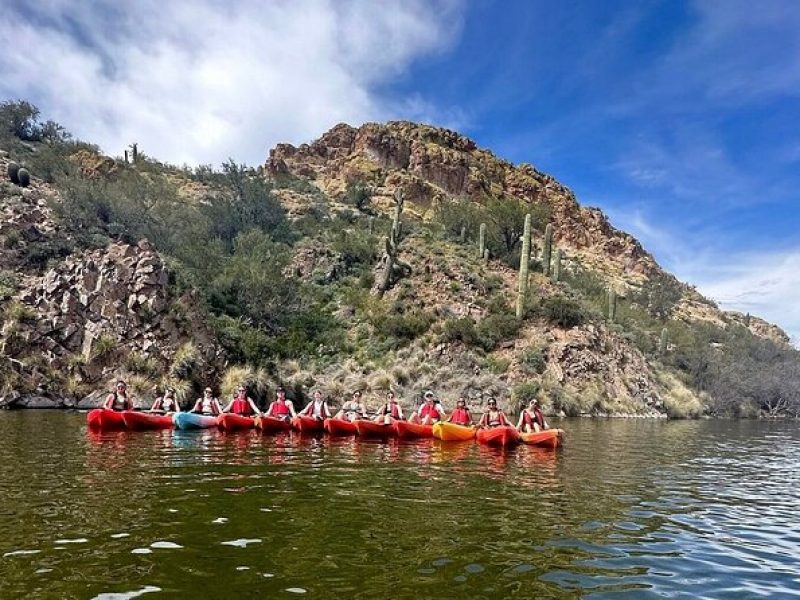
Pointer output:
352, 262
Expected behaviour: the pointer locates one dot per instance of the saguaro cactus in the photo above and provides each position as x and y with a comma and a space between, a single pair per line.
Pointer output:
392, 241
547, 248
13, 171
524, 261
486, 254
557, 265
612, 305
662, 343
371, 225
135, 152
462, 236
482, 240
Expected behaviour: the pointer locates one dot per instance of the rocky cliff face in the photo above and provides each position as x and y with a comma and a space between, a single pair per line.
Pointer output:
432, 164
90, 318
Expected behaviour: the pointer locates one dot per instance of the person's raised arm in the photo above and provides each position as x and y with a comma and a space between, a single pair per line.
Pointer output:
157, 403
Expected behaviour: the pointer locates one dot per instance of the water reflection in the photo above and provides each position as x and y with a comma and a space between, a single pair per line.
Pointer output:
627, 508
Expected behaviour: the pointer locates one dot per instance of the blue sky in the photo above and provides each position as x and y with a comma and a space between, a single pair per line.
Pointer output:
678, 119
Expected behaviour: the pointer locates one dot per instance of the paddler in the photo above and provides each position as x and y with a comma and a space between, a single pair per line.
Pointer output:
281, 408
353, 409
317, 408
118, 399
242, 404
531, 419
391, 411
430, 412
167, 403
461, 414
493, 417
207, 405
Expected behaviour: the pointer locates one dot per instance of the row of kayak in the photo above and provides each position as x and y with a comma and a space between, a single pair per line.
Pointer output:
504, 436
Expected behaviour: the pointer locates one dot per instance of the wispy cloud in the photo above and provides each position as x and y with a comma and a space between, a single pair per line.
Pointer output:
201, 81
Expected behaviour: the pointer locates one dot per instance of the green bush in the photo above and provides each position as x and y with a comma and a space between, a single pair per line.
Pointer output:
533, 360
359, 195
461, 330
562, 311
408, 326
496, 328
524, 392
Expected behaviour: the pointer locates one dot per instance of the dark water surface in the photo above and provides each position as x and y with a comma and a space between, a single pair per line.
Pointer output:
638, 509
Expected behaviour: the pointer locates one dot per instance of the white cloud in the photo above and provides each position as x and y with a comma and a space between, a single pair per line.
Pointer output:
201, 81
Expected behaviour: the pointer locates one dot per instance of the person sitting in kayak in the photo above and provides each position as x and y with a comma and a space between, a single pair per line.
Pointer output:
167, 403
391, 411
317, 408
242, 404
353, 409
281, 408
493, 417
532, 419
430, 412
118, 399
207, 405
461, 414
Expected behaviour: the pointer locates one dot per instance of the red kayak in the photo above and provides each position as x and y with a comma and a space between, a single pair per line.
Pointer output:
142, 421
408, 430
305, 424
340, 427
232, 422
371, 429
549, 438
504, 436
272, 425
105, 419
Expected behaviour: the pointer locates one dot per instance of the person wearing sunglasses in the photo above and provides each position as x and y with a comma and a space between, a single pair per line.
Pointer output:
167, 403
353, 409
119, 399
390, 411
493, 416
430, 412
532, 419
317, 408
242, 404
207, 405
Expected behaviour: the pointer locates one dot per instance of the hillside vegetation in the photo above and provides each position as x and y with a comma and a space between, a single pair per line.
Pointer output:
375, 257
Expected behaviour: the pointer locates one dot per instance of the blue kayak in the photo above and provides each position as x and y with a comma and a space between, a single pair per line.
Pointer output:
187, 420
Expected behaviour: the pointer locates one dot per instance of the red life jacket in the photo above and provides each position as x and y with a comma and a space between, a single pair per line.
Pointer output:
460, 416
537, 417
279, 408
391, 409
241, 407
430, 410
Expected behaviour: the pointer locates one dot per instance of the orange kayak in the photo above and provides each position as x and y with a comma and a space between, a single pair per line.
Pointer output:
504, 436
232, 422
549, 438
408, 430
340, 427
450, 432
105, 419
272, 425
371, 429
305, 424
142, 421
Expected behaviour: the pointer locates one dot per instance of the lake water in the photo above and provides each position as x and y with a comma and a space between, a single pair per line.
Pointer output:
627, 508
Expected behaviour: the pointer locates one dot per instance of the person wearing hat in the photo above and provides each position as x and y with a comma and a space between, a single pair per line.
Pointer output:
531, 419
430, 412
493, 416
460, 414
353, 409
317, 408
207, 404
167, 403
391, 411
281, 408
242, 404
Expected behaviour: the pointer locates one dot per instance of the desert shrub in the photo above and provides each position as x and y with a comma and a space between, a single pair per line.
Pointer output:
495, 328
8, 284
660, 296
498, 364
524, 392
185, 361
453, 216
461, 330
359, 195
533, 360
141, 364
404, 326
562, 311
103, 347
355, 248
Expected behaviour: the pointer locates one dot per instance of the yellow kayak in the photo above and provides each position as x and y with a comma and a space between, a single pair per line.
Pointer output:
450, 432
